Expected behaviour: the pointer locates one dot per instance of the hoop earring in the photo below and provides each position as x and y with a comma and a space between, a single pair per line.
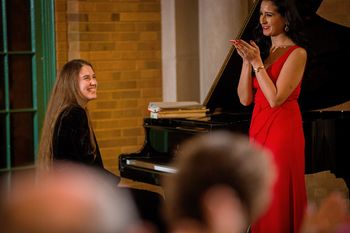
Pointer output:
286, 28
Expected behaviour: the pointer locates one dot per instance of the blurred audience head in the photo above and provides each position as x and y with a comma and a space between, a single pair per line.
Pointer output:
331, 216
69, 198
222, 184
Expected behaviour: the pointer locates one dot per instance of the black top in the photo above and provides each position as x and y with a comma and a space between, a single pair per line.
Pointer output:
72, 138
71, 141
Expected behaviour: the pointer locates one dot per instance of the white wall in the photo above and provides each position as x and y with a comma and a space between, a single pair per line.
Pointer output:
168, 50
195, 36
219, 21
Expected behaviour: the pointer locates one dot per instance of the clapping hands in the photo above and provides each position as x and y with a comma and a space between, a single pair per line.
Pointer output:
249, 52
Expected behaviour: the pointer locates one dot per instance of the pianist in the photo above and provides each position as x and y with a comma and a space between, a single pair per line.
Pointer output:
67, 133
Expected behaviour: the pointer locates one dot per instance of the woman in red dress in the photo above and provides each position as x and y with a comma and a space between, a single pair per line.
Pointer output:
278, 61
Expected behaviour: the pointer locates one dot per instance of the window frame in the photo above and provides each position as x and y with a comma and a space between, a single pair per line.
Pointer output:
43, 68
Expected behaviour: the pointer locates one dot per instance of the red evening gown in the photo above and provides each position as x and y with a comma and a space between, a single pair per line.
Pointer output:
280, 130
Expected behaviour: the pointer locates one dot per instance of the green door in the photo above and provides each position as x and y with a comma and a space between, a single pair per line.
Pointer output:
27, 71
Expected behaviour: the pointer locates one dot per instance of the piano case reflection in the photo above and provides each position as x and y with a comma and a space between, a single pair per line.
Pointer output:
325, 84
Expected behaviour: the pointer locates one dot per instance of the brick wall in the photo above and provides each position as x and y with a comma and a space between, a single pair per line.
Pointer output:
121, 38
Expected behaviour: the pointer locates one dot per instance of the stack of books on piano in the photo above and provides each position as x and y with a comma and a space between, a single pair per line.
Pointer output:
182, 109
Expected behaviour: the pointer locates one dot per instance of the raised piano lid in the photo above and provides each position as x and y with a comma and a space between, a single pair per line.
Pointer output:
326, 80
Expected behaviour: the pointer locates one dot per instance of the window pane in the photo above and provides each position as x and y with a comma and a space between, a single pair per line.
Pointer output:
20, 75
22, 143
2, 141
2, 83
18, 25
1, 31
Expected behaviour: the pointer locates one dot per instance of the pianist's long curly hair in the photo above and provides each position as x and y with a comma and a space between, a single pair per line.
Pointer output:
288, 10
65, 93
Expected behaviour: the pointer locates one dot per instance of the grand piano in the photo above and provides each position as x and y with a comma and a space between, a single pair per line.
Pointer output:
325, 84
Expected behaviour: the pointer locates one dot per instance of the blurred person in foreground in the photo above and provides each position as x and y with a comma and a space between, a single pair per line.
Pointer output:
69, 198
222, 184
331, 216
